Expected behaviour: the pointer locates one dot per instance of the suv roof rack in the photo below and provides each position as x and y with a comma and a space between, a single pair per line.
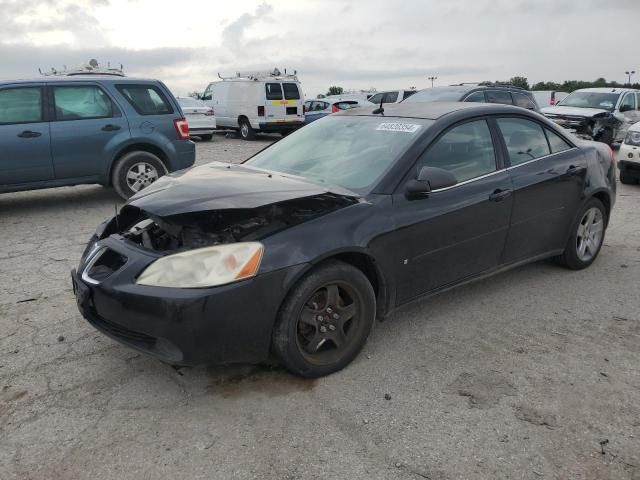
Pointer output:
90, 68
274, 74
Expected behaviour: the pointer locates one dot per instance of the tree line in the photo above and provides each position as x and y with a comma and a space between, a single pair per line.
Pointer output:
568, 85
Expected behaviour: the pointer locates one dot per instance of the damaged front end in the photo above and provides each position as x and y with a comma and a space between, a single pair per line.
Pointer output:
191, 230
601, 127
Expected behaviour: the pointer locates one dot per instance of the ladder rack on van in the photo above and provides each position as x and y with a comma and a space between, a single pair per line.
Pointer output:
275, 74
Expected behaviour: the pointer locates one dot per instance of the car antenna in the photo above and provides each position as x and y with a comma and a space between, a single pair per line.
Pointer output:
380, 109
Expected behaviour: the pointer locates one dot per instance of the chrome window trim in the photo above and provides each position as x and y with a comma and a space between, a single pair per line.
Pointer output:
501, 170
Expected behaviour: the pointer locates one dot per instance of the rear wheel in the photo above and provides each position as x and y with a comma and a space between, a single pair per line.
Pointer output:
246, 130
136, 170
325, 321
587, 237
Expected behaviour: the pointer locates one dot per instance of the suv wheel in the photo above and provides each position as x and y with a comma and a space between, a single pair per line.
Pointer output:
136, 170
246, 130
627, 178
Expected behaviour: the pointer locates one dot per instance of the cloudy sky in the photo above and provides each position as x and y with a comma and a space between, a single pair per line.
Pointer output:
353, 43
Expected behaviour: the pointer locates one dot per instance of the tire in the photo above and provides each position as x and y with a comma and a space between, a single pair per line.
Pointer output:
627, 179
246, 130
586, 238
206, 137
134, 171
308, 346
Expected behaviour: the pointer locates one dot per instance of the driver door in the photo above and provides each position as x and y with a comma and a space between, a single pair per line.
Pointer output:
454, 233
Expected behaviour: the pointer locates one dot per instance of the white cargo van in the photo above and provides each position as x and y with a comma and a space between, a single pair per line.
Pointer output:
257, 102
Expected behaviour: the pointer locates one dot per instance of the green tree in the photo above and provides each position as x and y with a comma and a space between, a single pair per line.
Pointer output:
333, 90
520, 82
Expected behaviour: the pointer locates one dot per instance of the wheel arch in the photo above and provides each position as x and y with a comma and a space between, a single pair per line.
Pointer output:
605, 198
138, 147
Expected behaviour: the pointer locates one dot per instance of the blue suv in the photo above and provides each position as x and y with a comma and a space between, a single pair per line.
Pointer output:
111, 130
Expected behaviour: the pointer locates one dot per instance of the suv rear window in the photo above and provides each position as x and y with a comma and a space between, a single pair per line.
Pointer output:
291, 91
521, 100
273, 90
21, 105
146, 99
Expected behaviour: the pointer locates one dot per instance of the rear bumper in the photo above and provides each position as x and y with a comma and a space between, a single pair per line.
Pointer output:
280, 126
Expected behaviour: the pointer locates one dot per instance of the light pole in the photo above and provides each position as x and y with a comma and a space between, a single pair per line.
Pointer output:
629, 73
435, 78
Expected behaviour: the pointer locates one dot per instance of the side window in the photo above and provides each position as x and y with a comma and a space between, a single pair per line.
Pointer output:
629, 101
525, 139
291, 91
521, 100
322, 106
476, 97
208, 93
146, 99
76, 103
408, 93
390, 97
557, 143
466, 151
273, 90
21, 105
376, 98
638, 100
497, 96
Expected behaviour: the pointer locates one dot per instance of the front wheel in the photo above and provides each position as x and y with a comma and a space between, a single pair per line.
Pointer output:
627, 179
246, 130
136, 170
587, 236
325, 321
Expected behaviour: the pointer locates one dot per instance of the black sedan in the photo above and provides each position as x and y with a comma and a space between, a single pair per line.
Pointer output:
297, 251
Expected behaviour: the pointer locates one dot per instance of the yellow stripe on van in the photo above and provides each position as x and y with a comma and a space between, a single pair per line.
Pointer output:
283, 120
284, 102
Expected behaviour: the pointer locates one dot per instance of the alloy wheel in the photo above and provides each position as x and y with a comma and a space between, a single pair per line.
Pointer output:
590, 233
140, 175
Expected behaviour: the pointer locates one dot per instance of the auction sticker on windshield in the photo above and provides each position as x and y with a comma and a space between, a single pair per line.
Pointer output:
398, 127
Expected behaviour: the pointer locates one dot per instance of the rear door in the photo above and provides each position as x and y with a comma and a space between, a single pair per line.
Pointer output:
86, 129
548, 175
25, 154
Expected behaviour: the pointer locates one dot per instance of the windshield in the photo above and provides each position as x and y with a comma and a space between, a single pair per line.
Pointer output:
606, 101
353, 152
437, 94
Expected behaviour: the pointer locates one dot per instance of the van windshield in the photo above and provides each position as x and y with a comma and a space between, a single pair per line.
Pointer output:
362, 149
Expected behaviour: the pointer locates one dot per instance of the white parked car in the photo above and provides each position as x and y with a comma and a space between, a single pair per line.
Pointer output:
601, 114
321, 107
257, 102
200, 117
391, 96
629, 156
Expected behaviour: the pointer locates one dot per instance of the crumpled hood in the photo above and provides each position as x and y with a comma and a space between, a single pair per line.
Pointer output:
221, 186
573, 111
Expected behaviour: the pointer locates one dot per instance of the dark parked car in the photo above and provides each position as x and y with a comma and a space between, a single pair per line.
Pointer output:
300, 248
112, 130
499, 93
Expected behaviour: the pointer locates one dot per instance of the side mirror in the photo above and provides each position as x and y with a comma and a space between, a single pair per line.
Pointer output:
625, 108
429, 179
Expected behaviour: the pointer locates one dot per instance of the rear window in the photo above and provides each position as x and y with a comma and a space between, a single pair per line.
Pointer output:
407, 94
521, 100
146, 99
273, 90
291, 91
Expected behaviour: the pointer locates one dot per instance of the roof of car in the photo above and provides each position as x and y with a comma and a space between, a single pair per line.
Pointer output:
433, 110
76, 78
607, 90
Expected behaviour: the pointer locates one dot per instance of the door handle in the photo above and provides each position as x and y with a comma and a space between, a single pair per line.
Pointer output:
29, 134
499, 194
111, 128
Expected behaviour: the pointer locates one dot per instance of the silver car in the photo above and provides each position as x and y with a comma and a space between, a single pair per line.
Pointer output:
201, 118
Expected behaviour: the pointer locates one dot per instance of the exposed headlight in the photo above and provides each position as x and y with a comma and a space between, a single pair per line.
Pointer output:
632, 138
204, 267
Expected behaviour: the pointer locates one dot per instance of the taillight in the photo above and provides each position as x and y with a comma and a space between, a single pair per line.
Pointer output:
182, 127
209, 113
261, 111
334, 108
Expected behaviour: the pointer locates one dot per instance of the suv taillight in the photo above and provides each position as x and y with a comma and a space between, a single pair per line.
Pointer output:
182, 127
334, 108
261, 111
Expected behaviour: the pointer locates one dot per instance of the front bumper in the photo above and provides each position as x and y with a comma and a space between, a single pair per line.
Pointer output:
218, 325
